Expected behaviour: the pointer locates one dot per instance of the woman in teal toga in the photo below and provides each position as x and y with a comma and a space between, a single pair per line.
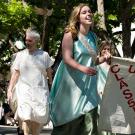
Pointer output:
74, 97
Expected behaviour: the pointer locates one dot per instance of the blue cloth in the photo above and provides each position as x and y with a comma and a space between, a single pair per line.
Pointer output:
103, 70
74, 93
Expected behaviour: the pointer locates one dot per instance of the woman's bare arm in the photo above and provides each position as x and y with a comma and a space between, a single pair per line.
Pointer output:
49, 74
13, 80
67, 47
101, 59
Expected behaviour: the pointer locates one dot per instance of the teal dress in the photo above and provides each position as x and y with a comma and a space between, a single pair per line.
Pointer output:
74, 93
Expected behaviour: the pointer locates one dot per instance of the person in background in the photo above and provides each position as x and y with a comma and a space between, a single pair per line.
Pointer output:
74, 97
32, 66
103, 69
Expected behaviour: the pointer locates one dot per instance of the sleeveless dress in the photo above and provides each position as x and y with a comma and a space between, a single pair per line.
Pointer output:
74, 93
32, 87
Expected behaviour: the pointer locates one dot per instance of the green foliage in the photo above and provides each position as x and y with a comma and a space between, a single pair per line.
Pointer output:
112, 17
5, 57
14, 16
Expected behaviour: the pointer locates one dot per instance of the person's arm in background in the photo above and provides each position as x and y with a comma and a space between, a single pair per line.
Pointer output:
101, 59
13, 80
67, 45
49, 75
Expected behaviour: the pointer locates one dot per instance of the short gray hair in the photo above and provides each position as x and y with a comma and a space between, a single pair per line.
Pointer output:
33, 33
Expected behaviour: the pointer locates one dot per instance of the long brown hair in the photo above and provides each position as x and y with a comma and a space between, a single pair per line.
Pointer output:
73, 23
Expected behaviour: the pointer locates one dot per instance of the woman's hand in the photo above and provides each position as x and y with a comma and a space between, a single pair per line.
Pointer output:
87, 70
107, 56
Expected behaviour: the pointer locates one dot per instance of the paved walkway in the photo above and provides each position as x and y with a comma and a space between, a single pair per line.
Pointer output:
12, 130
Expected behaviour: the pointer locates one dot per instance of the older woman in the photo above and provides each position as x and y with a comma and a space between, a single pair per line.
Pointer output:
31, 68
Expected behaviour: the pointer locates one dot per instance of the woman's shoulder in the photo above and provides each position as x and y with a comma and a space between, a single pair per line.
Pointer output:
21, 52
68, 35
42, 52
67, 39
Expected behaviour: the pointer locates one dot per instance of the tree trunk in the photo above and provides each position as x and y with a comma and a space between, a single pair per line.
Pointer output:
126, 36
43, 33
100, 6
103, 34
126, 6
45, 36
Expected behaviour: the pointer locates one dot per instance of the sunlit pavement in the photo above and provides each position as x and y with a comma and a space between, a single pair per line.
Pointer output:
12, 130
